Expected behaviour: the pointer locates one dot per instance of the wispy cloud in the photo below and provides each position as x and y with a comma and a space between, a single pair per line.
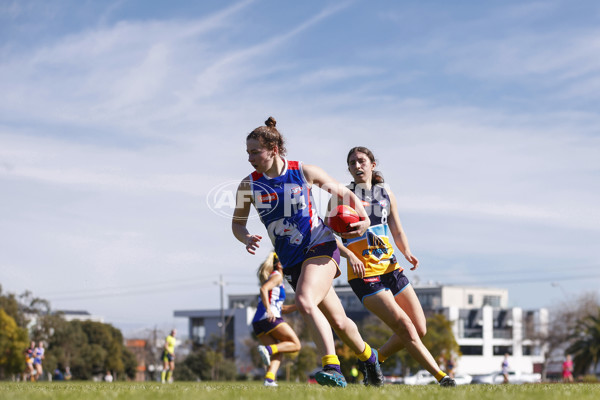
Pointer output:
112, 134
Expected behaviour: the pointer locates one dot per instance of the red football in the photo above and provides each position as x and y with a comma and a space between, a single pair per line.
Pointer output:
341, 217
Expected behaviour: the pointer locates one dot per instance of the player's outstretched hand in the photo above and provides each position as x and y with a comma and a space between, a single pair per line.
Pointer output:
413, 260
252, 243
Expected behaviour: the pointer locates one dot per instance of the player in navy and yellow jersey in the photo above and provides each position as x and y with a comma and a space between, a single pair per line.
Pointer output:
374, 272
29, 356
276, 336
280, 190
168, 358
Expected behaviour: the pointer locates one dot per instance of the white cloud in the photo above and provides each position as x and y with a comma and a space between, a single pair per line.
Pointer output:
112, 136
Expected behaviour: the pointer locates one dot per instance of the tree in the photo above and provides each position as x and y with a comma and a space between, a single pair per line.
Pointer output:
561, 325
586, 344
87, 347
91, 348
13, 341
376, 333
207, 363
438, 340
12, 307
306, 361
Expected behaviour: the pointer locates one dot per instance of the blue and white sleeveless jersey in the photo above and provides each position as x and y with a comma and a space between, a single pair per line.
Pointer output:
276, 299
286, 208
38, 354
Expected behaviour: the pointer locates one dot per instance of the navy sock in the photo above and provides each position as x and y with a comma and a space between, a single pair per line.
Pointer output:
333, 366
372, 359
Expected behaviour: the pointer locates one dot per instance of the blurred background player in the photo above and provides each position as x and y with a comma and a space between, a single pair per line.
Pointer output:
168, 358
38, 357
567, 370
373, 270
280, 191
29, 370
273, 332
505, 367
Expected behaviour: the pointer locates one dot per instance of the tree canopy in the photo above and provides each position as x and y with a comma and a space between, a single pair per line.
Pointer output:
87, 347
585, 345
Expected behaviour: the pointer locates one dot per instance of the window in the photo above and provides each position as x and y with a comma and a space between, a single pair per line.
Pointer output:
529, 325
493, 301
429, 300
470, 299
502, 350
198, 331
471, 350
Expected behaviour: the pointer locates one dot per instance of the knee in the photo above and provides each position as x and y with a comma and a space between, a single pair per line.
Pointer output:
406, 330
339, 324
305, 305
297, 345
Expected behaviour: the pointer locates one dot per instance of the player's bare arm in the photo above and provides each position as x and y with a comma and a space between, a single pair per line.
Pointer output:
315, 175
240, 217
357, 266
274, 281
398, 232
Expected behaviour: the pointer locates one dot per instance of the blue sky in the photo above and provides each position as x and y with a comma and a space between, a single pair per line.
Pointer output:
117, 118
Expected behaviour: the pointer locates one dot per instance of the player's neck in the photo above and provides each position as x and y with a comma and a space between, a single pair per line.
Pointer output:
364, 185
276, 169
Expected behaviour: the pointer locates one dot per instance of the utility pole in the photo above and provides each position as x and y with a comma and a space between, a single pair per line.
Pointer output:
221, 284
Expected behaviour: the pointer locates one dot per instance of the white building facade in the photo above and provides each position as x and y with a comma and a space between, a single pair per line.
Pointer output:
486, 328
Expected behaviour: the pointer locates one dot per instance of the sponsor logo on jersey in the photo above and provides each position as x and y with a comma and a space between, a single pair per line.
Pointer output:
268, 197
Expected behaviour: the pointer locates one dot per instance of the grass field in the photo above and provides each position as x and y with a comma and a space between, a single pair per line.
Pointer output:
290, 391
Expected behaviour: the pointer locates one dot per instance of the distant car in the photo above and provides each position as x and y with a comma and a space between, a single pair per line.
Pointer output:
513, 377
423, 377
463, 379
393, 380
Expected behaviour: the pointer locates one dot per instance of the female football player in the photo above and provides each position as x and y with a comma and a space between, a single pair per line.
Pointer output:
38, 357
276, 336
280, 190
373, 270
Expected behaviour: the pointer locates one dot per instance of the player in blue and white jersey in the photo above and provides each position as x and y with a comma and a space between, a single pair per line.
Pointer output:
276, 336
38, 357
280, 190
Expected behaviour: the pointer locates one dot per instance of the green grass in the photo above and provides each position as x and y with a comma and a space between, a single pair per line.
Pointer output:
290, 391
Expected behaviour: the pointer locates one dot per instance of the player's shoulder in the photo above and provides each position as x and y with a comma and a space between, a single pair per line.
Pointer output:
294, 165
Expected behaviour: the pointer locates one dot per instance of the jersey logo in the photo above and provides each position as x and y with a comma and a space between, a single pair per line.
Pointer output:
376, 246
269, 197
282, 228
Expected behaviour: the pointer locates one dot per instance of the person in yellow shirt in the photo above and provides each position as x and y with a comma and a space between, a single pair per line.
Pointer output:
168, 358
